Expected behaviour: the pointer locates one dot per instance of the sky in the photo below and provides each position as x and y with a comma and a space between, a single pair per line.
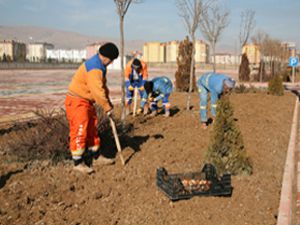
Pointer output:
151, 20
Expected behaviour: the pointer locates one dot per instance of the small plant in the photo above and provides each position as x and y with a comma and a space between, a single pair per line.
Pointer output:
226, 150
275, 86
240, 89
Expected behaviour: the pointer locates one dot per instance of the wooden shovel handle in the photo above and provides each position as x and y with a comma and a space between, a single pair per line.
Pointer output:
113, 127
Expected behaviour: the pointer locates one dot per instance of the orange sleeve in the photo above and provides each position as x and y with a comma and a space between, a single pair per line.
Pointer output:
97, 86
145, 71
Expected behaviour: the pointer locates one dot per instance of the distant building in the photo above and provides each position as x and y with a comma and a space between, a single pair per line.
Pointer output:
36, 52
11, 50
226, 59
67, 56
154, 52
253, 53
157, 52
92, 49
172, 49
201, 52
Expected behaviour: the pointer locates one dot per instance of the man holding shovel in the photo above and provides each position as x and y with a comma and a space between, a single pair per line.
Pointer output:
136, 74
88, 87
216, 85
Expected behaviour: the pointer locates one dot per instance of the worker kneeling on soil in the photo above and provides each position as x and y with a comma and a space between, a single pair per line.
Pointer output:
157, 89
136, 74
216, 85
88, 86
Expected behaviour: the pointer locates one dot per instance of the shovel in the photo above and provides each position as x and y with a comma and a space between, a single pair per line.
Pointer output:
113, 127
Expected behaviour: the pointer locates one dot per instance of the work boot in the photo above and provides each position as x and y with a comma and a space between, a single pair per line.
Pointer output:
167, 114
83, 168
153, 113
101, 160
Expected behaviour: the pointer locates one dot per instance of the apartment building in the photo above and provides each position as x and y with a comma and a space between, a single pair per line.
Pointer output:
11, 50
36, 52
63, 55
154, 52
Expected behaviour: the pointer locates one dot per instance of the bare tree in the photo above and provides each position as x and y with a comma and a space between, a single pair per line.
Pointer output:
190, 11
247, 26
272, 51
259, 39
122, 8
214, 20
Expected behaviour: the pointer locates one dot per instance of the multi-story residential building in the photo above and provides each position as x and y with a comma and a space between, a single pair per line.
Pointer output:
172, 49
201, 52
226, 59
168, 52
253, 53
154, 52
11, 50
36, 52
63, 55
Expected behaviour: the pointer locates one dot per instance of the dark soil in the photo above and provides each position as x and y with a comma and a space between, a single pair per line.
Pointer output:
41, 193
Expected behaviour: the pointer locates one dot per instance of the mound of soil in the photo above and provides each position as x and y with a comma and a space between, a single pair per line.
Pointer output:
41, 193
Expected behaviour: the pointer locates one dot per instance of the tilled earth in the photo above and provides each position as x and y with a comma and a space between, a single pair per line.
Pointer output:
42, 193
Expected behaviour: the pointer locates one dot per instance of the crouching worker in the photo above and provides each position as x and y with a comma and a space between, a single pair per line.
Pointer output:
136, 74
88, 87
157, 89
216, 85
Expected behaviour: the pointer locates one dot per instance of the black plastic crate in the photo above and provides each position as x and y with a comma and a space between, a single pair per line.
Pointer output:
187, 185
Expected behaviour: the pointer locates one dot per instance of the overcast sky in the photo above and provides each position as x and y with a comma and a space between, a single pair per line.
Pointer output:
152, 20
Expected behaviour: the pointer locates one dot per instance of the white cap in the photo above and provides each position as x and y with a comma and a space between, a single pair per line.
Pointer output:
229, 82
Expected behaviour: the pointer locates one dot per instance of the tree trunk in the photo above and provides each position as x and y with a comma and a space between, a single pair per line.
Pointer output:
188, 103
123, 109
261, 70
214, 56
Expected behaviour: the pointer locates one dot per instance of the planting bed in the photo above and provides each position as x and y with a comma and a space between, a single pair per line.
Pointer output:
41, 193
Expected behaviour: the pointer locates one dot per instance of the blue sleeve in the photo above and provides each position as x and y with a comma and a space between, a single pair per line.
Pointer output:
127, 83
144, 99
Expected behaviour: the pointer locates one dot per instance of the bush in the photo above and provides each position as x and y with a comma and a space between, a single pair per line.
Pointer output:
275, 86
226, 150
286, 75
47, 137
182, 75
44, 138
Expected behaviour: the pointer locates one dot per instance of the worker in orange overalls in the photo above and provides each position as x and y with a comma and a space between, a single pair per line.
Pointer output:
88, 86
136, 74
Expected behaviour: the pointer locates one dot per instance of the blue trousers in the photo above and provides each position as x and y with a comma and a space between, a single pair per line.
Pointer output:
203, 91
129, 94
165, 102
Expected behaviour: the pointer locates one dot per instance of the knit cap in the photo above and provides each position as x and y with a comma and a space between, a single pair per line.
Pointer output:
109, 50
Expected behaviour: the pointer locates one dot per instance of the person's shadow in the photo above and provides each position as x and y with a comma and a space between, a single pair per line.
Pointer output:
127, 139
5, 178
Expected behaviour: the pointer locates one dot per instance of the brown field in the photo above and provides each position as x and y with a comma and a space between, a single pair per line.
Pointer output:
46, 194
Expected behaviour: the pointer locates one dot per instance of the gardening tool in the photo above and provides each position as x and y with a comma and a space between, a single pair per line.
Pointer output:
135, 101
113, 127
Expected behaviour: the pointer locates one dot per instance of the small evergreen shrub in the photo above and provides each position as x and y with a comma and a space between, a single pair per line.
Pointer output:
184, 59
275, 86
226, 150
244, 69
